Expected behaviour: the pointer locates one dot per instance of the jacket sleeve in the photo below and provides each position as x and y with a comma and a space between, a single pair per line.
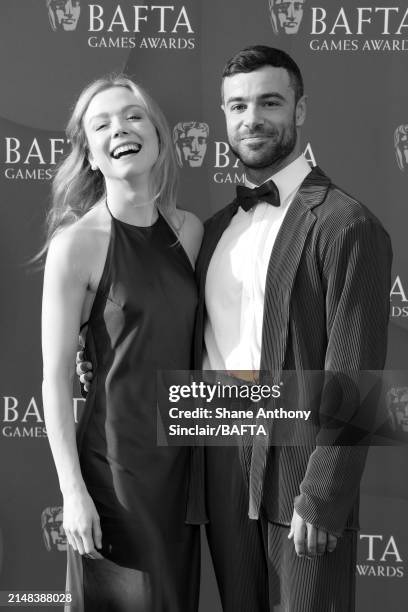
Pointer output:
356, 277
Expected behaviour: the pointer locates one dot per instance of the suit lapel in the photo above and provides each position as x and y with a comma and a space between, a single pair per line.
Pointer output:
282, 269
280, 278
213, 232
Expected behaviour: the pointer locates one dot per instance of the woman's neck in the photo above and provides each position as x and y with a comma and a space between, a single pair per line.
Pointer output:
131, 204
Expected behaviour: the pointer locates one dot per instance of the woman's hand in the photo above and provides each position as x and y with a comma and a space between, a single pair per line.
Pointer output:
82, 525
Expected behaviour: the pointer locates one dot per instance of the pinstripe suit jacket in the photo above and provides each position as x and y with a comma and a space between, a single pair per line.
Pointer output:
326, 308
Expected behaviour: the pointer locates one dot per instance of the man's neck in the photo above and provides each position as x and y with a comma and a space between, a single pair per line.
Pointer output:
257, 176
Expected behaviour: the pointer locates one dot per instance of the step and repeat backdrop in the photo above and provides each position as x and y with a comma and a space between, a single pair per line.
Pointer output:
354, 60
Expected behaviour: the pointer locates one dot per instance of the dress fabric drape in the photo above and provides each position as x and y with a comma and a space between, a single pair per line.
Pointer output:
141, 321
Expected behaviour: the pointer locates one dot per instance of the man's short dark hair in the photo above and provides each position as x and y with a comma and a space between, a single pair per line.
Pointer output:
258, 56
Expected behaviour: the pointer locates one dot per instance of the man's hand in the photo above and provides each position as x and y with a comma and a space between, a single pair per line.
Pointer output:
84, 370
310, 540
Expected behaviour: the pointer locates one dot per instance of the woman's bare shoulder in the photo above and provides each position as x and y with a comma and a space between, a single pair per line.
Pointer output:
81, 233
191, 233
193, 223
77, 246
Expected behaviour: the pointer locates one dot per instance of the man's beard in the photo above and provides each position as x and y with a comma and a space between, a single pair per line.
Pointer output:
272, 154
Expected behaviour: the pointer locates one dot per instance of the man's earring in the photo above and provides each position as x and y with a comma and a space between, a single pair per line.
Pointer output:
94, 167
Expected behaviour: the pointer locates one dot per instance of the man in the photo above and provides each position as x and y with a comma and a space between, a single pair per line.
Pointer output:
190, 140
286, 15
293, 275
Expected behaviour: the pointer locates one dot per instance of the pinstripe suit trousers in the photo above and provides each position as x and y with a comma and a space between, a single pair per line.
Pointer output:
256, 566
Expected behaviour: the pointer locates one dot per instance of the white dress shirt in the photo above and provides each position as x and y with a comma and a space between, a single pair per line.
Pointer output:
235, 283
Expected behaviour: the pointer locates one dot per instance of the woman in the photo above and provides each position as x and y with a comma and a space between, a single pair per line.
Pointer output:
120, 264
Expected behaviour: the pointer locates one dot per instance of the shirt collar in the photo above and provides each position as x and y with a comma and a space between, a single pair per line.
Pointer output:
289, 178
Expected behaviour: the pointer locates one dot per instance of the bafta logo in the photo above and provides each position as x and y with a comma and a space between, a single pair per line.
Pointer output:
63, 14
190, 142
52, 529
286, 15
397, 406
401, 146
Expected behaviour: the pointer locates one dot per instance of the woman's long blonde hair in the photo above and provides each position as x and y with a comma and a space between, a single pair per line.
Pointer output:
76, 188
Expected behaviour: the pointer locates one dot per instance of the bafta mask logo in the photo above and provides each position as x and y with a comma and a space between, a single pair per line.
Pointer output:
286, 15
52, 529
63, 14
401, 146
190, 142
397, 406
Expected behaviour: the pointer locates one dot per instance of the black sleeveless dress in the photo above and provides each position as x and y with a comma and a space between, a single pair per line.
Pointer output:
141, 321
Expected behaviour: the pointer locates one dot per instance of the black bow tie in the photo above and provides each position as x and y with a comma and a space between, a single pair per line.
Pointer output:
267, 192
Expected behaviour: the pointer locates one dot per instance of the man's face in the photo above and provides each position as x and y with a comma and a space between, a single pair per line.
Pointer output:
194, 145
66, 13
262, 116
289, 14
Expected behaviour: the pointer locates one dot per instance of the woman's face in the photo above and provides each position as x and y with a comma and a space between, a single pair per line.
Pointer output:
122, 140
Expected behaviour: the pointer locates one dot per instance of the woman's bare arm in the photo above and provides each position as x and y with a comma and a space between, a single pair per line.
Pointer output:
65, 287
